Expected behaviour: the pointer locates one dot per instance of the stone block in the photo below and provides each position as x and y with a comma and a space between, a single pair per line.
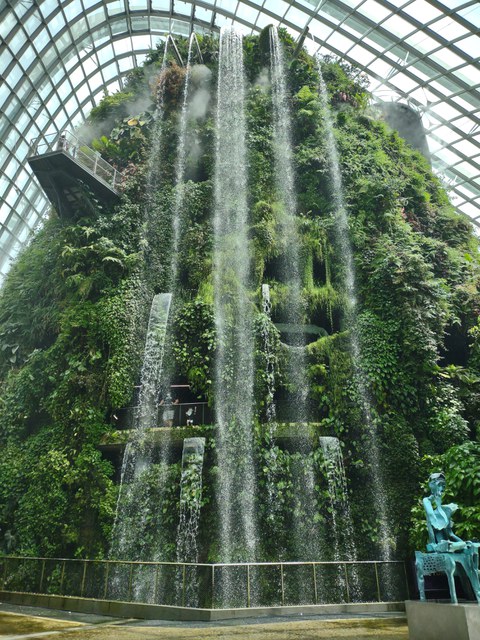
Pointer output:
443, 621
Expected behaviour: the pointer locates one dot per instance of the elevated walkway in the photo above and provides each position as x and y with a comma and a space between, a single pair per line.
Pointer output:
72, 174
175, 435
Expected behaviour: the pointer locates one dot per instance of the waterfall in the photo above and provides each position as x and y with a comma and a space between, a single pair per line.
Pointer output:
343, 534
178, 206
134, 505
153, 163
270, 408
306, 536
234, 365
190, 503
372, 450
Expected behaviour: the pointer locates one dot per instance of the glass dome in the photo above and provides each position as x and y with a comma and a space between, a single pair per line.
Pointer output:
58, 59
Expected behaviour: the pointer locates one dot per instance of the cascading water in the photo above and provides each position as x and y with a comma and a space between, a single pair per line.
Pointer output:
153, 158
190, 504
131, 539
177, 215
270, 408
177, 228
343, 533
271, 448
234, 366
307, 546
345, 251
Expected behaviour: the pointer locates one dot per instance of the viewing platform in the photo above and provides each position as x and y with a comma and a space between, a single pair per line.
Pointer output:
284, 431
72, 174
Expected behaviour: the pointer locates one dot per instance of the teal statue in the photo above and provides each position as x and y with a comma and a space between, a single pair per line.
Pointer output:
446, 552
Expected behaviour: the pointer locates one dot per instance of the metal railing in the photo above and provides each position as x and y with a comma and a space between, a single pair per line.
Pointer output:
184, 414
87, 157
213, 586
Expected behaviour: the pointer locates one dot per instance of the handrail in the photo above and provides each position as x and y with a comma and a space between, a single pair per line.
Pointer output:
200, 412
69, 143
206, 564
123, 580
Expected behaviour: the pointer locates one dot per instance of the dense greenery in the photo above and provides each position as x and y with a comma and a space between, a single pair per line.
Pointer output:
74, 308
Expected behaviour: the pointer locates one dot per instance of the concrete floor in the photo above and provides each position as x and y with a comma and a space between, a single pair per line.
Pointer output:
20, 623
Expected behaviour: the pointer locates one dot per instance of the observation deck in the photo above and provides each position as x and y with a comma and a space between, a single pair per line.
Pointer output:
72, 174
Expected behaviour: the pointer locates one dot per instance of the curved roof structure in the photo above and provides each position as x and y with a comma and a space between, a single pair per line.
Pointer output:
58, 57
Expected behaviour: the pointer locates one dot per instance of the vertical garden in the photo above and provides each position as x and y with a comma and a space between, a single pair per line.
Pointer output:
224, 160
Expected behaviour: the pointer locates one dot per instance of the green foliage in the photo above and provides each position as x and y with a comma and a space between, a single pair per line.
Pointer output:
111, 107
461, 465
194, 345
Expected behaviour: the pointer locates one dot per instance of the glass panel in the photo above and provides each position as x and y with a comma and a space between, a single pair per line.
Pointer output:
470, 45
114, 7
225, 5
341, 43
126, 63
89, 65
48, 56
373, 10
467, 148
72, 10
12, 221
447, 58
55, 24
185, 8
398, 26
469, 74
159, 24
297, 17
205, 15
96, 17
17, 41
5, 58
140, 43
160, 5
27, 57
472, 14
355, 26
5, 237
380, 68
105, 54
14, 75
422, 8
45, 89
181, 27
422, 42
361, 55
119, 26
448, 156
71, 104
31, 24
140, 23
53, 104
95, 81
63, 41
467, 101
138, 5
9, 22
46, 8
110, 72
448, 28
263, 20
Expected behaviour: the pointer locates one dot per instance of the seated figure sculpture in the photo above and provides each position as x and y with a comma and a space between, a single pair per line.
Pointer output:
446, 552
